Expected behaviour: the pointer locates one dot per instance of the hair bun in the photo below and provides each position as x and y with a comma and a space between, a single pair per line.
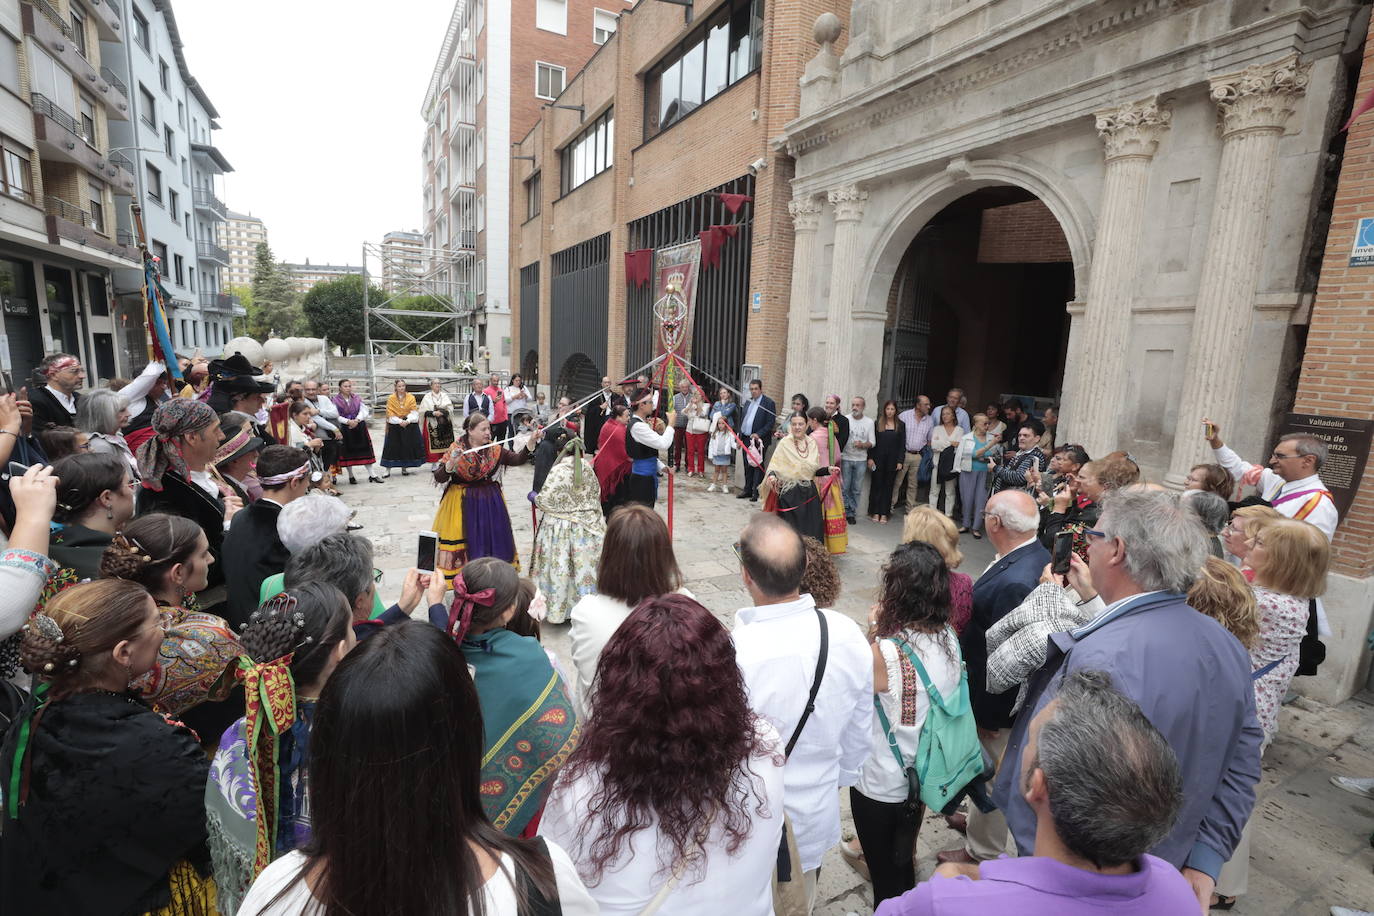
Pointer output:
44, 652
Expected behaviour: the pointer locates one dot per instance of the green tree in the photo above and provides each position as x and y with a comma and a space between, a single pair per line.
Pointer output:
274, 298
428, 329
335, 310
244, 292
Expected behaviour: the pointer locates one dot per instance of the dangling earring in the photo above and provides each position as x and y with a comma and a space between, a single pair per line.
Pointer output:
109, 513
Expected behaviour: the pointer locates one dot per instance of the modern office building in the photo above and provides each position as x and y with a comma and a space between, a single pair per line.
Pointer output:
403, 261
500, 64
240, 235
305, 276
60, 100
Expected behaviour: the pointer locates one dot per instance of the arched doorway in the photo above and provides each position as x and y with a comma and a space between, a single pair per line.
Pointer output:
977, 302
577, 378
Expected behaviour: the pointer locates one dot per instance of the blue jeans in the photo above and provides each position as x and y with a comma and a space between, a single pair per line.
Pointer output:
852, 477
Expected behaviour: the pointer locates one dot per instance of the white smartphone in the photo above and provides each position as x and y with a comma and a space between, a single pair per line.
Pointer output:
427, 552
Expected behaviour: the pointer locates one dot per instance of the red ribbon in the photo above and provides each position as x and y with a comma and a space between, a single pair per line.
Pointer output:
460, 611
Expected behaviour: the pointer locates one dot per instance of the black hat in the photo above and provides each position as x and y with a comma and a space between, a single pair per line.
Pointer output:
237, 374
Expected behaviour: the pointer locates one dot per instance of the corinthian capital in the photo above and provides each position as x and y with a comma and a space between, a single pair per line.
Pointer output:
806, 213
1261, 97
849, 203
1133, 129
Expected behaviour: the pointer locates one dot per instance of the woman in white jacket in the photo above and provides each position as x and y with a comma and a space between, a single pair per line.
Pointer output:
972, 464
944, 435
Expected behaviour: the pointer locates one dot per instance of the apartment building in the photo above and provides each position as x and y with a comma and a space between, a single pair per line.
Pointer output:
305, 276
403, 261
169, 136
240, 235
59, 176
500, 64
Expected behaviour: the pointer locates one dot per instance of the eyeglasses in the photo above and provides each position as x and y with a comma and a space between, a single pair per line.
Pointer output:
1277, 457
1094, 533
164, 621
376, 575
739, 553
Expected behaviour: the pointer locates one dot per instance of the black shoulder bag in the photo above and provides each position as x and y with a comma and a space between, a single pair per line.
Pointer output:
784, 860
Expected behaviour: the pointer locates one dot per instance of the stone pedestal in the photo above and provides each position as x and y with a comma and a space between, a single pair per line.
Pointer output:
849, 203
806, 219
1254, 105
1097, 362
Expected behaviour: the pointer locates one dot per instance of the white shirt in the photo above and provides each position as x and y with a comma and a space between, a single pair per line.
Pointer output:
860, 430
517, 398
63, 398
593, 620
326, 419
1271, 486
498, 893
881, 779
644, 434
739, 883
776, 646
135, 393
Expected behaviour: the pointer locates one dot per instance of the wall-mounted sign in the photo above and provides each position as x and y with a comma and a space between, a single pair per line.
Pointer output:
1362, 253
1347, 451
756, 302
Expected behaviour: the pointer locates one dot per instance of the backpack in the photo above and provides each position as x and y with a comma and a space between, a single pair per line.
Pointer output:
949, 755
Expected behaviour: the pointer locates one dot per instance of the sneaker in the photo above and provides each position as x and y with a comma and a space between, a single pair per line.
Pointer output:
725, 488
1356, 785
711, 488
1347, 911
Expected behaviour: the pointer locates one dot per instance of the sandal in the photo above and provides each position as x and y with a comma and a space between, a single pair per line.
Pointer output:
1223, 903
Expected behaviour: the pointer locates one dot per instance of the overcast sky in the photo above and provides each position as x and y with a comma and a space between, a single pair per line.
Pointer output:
319, 104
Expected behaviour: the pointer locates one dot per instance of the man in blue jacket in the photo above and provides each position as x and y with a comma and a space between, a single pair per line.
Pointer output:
1189, 676
756, 432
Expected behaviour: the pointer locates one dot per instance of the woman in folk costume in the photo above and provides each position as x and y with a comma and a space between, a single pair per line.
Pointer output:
529, 723
356, 450
823, 431
472, 520
255, 798
436, 412
571, 529
791, 485
403, 447
612, 462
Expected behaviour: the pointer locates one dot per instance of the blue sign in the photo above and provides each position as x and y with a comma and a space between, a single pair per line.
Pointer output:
756, 300
1362, 254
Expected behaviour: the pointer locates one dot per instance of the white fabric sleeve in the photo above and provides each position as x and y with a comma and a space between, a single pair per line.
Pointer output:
138, 389
395, 420
413, 416
23, 573
1228, 459
644, 434
327, 408
322, 423
363, 413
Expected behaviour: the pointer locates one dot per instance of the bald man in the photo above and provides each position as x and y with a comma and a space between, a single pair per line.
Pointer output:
1011, 519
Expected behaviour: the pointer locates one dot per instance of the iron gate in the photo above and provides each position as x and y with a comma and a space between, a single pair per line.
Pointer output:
529, 323
581, 288
906, 340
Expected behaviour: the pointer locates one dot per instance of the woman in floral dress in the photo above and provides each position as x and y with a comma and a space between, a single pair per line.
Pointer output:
571, 529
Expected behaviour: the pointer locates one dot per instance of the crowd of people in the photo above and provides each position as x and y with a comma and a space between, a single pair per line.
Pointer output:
208, 707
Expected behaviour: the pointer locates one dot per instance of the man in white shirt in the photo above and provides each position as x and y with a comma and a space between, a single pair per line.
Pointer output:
918, 422
644, 439
854, 457
777, 646
327, 416
55, 402
955, 398
477, 401
1290, 484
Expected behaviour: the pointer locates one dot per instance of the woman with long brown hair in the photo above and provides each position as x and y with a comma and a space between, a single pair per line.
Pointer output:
673, 798
104, 807
885, 460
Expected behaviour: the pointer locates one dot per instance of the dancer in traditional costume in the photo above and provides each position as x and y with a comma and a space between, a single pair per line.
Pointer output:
612, 462
567, 545
472, 520
824, 431
356, 450
791, 485
436, 412
644, 439
403, 447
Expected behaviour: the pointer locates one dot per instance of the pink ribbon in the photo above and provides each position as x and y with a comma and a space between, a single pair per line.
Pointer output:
460, 612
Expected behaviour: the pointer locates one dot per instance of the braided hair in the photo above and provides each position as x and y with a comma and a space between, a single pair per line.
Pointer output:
69, 643
306, 621
147, 547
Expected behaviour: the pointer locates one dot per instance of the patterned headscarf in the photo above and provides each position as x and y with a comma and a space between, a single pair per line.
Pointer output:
174, 419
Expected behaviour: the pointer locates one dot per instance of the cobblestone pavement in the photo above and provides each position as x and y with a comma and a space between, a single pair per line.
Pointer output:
1312, 849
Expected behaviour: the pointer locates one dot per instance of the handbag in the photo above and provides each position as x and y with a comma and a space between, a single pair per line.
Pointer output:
1311, 651
945, 471
698, 425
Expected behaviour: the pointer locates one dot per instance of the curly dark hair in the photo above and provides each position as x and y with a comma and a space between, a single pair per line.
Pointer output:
820, 580
671, 739
915, 591
320, 614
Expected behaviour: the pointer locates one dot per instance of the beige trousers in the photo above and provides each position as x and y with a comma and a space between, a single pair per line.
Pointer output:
987, 833
911, 464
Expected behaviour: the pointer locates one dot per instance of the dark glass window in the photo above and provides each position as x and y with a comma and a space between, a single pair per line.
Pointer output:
720, 53
589, 154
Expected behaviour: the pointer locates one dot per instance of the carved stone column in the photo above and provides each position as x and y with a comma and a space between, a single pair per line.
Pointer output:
849, 203
806, 219
1253, 106
1094, 392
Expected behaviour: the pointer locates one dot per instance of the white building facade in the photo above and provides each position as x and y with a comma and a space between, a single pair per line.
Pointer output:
240, 235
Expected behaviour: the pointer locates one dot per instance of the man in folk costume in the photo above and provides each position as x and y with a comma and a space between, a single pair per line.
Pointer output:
55, 403
1290, 484
644, 439
236, 384
598, 413
252, 549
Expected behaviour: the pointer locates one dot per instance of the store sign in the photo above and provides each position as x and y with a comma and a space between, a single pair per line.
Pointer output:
1362, 254
1347, 451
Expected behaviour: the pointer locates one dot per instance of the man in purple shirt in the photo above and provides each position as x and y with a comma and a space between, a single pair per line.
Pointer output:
918, 422
1105, 787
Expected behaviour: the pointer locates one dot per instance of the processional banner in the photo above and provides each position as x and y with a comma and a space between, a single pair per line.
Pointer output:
675, 288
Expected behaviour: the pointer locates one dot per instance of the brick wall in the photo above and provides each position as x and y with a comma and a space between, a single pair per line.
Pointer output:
1337, 375
1024, 233
529, 44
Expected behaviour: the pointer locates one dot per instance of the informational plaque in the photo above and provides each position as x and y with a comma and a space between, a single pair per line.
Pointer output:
1347, 450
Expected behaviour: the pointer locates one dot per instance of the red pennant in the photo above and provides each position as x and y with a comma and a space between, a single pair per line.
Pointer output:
1365, 104
710, 246
639, 266
734, 201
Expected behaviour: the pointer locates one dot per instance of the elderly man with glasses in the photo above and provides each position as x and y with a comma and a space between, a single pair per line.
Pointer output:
1290, 484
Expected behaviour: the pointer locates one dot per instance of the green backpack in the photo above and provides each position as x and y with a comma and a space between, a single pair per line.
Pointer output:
949, 755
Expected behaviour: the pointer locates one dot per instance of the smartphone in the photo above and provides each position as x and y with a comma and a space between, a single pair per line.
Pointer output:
427, 552
1063, 549
16, 469
1209, 430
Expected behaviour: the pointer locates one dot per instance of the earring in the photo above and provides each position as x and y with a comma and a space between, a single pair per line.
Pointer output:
109, 513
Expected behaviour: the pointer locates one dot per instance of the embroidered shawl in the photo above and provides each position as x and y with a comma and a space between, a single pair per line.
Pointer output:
401, 407
348, 406
794, 463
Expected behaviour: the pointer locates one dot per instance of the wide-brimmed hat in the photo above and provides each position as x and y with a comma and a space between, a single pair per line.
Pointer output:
237, 374
239, 437
632, 380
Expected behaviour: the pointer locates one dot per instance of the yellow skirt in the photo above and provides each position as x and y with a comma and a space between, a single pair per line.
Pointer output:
448, 524
832, 510
192, 893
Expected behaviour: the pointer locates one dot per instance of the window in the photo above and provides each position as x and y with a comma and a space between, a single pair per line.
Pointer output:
78, 19
603, 26
481, 80
551, 16
185, 171
589, 154
179, 269
481, 212
147, 105
181, 114
96, 205
481, 147
87, 120
164, 75
191, 275
16, 175
50, 80
174, 205
141, 31
159, 249
154, 175
9, 63
533, 192
723, 51
169, 142
548, 80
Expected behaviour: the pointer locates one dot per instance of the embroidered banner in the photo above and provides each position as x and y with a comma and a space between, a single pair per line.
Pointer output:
675, 288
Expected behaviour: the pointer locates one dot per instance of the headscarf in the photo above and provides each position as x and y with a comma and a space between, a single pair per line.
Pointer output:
174, 419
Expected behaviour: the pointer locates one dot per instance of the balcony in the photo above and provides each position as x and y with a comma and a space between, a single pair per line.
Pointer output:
125, 178
115, 94
209, 251
42, 21
106, 16
60, 137
68, 221
206, 202
211, 158
218, 302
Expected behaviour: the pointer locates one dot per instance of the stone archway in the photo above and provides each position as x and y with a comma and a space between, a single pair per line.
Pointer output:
577, 378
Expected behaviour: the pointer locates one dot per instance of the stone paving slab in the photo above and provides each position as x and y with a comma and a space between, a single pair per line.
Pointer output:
1312, 847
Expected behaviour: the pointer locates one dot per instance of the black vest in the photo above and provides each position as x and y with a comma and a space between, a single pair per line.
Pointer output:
633, 447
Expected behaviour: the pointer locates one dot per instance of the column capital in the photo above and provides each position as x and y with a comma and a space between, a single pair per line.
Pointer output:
849, 203
806, 213
1260, 97
1134, 129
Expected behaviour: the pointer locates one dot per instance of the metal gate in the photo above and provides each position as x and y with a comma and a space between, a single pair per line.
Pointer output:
722, 306
906, 340
580, 296
529, 323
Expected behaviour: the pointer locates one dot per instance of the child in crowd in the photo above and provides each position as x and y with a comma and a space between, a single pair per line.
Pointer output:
722, 452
